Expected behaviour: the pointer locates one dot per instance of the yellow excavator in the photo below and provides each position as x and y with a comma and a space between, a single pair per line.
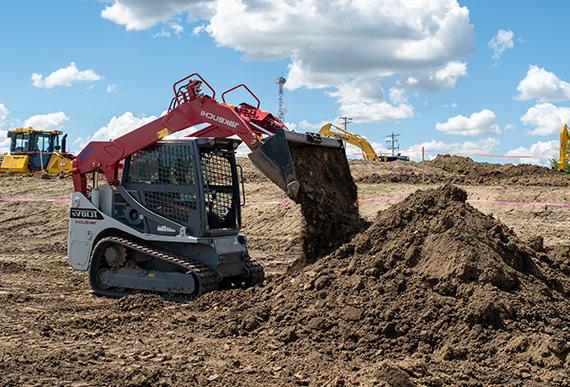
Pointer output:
368, 153
36, 151
564, 138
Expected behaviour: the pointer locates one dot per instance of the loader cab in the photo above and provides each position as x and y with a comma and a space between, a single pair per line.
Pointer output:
190, 183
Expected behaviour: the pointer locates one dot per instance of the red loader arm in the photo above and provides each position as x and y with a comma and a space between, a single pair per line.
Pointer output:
189, 107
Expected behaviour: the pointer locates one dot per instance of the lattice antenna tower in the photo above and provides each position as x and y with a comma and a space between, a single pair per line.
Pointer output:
281, 82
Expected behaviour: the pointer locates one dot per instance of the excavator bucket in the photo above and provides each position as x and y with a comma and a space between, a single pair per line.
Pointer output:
281, 157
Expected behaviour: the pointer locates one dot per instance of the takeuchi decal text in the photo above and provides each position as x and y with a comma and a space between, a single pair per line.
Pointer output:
220, 119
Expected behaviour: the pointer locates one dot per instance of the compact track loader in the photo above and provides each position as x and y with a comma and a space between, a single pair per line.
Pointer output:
170, 221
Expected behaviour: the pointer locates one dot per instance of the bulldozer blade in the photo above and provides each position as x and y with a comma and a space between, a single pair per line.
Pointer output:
274, 157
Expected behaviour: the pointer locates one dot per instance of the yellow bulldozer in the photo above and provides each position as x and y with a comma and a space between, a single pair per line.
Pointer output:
36, 151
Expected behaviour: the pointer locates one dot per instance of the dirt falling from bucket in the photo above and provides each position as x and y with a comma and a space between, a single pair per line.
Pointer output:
328, 199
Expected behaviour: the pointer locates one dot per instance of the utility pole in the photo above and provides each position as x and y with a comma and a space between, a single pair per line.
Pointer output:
281, 82
345, 121
393, 143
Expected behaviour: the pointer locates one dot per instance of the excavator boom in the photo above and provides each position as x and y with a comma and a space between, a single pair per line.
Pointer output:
564, 138
331, 130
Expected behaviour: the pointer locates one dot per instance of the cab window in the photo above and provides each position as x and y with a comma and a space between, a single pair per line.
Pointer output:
22, 142
42, 142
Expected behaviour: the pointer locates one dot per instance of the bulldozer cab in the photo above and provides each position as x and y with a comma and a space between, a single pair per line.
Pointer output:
191, 183
39, 145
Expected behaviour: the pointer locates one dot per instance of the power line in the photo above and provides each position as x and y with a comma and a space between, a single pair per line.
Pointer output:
393, 143
345, 121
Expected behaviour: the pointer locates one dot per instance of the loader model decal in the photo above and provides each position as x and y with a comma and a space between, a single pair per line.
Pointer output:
85, 213
220, 119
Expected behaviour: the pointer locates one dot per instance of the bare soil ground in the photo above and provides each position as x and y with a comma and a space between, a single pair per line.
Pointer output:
436, 292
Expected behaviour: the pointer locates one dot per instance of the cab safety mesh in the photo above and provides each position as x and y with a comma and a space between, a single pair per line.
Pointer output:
169, 167
218, 187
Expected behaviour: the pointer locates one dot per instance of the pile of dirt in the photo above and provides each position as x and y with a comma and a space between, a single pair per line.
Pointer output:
467, 171
250, 173
407, 172
328, 199
443, 169
446, 292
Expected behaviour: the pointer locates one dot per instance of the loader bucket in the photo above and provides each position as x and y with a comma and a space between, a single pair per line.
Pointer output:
279, 156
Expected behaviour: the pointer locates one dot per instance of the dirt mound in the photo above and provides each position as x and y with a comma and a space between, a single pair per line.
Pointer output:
55, 331
444, 290
250, 173
407, 172
468, 171
328, 199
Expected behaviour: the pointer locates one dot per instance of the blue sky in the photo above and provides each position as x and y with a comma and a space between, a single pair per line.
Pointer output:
428, 72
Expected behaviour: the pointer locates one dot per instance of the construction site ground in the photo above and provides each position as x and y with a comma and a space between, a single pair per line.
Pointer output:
54, 331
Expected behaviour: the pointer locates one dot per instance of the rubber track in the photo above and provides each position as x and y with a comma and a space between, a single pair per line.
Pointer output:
208, 279
256, 273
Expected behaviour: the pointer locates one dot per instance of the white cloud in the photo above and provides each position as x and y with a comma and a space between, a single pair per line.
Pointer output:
501, 42
176, 28
542, 85
434, 147
142, 14
363, 100
4, 141
369, 38
196, 31
49, 121
111, 88
445, 77
545, 118
161, 34
65, 76
421, 41
542, 151
478, 123
117, 126
3, 114
173, 28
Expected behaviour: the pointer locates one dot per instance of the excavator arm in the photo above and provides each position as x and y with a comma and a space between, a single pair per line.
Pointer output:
564, 138
367, 151
189, 107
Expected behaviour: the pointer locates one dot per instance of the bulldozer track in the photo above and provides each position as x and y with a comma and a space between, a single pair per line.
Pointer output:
206, 278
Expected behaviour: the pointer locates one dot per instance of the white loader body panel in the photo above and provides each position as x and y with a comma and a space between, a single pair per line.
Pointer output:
87, 222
